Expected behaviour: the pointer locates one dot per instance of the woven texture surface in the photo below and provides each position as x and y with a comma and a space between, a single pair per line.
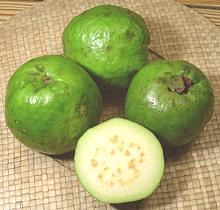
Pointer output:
30, 180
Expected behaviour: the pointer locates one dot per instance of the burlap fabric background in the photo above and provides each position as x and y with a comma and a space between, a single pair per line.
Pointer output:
30, 180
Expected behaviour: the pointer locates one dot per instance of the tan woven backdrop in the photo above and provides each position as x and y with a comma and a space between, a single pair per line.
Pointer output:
30, 180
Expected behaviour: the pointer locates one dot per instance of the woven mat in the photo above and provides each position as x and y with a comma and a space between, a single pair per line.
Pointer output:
30, 180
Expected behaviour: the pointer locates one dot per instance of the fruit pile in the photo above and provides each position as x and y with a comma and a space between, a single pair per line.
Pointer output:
53, 104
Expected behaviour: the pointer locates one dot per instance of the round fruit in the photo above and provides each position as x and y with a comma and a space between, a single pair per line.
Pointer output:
119, 161
50, 102
174, 99
111, 42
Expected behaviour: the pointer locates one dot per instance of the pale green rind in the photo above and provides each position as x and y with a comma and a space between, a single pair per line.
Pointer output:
138, 192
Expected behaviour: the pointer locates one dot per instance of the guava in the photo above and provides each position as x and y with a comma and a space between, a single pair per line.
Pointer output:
50, 102
174, 99
119, 161
111, 42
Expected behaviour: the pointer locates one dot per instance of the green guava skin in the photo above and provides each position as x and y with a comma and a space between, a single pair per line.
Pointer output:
110, 42
175, 118
50, 102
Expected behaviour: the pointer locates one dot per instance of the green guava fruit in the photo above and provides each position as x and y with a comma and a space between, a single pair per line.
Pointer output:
50, 102
174, 99
119, 161
111, 42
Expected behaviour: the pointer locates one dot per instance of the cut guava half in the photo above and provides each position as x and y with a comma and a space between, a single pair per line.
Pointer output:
119, 161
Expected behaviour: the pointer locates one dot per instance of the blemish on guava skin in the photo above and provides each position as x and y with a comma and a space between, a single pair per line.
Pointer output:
85, 55
62, 108
40, 68
81, 110
41, 143
108, 48
129, 35
38, 89
161, 80
187, 68
108, 13
173, 102
33, 73
23, 130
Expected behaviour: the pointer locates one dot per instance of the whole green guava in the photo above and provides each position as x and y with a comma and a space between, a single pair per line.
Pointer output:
174, 99
111, 42
50, 102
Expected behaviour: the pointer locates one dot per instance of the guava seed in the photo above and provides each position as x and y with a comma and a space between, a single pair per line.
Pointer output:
131, 144
114, 139
100, 176
113, 152
141, 160
94, 163
119, 170
127, 153
131, 164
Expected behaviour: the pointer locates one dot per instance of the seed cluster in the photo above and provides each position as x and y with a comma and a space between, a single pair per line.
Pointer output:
124, 161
